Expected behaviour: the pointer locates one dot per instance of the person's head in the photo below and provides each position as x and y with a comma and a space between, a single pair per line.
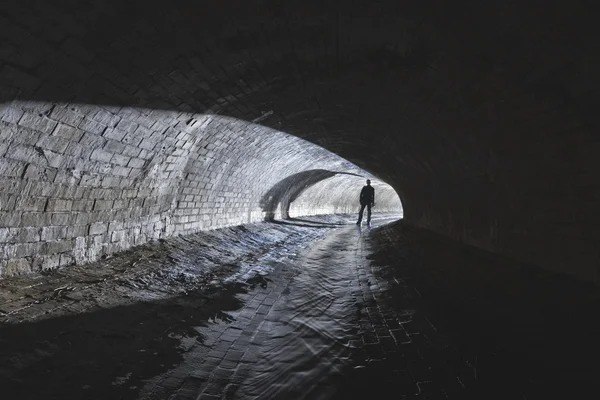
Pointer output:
368, 182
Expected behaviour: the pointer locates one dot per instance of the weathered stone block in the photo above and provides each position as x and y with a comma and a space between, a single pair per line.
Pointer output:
20, 250
136, 163
120, 204
3, 148
35, 219
66, 259
115, 226
100, 205
53, 232
5, 235
10, 114
53, 143
39, 173
129, 193
51, 262
127, 126
17, 267
61, 246
82, 205
24, 235
98, 228
84, 218
121, 171
114, 134
117, 236
28, 154
75, 231
68, 132
11, 168
111, 181
101, 155
59, 205
147, 144
10, 218
91, 180
114, 147
92, 126
7, 202
39, 123
92, 141
120, 160
55, 160
66, 116
132, 151
62, 218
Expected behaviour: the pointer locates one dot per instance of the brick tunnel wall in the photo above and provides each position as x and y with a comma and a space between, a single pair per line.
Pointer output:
481, 115
81, 182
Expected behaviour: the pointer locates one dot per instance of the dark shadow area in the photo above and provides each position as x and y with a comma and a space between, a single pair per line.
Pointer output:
126, 64
524, 332
85, 30
284, 192
80, 357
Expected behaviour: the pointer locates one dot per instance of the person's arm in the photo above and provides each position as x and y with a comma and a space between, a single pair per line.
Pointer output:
373, 199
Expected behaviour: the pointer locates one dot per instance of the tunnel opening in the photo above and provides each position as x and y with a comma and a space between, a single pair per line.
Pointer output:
339, 194
320, 192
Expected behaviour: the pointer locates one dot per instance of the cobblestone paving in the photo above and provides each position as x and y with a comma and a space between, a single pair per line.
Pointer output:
100, 331
300, 309
315, 327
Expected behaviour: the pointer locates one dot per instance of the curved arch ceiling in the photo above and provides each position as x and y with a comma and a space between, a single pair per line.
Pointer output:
482, 117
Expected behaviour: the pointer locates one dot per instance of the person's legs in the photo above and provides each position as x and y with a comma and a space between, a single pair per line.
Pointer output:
368, 213
360, 213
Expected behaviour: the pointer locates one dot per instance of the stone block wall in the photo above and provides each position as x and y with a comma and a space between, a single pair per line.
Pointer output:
82, 182
481, 115
236, 164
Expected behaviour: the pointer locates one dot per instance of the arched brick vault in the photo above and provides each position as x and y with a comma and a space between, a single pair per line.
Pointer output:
74, 195
480, 114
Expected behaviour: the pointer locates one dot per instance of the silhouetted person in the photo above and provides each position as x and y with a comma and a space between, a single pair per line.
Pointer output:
367, 199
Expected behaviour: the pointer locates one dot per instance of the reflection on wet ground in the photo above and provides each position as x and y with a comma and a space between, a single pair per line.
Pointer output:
307, 223
313, 308
99, 331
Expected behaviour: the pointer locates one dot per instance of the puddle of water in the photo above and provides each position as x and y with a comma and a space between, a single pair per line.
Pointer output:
310, 328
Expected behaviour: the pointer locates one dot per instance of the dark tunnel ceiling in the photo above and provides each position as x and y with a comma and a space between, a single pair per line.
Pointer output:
480, 114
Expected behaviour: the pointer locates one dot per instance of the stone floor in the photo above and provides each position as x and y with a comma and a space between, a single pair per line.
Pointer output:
313, 308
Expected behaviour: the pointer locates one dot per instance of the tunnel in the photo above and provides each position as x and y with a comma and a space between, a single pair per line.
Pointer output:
193, 132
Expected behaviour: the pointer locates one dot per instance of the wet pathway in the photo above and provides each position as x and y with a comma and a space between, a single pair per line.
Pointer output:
103, 330
294, 335
320, 327
313, 308
281, 310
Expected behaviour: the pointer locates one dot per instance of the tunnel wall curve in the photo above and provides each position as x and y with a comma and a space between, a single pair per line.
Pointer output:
81, 182
481, 115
